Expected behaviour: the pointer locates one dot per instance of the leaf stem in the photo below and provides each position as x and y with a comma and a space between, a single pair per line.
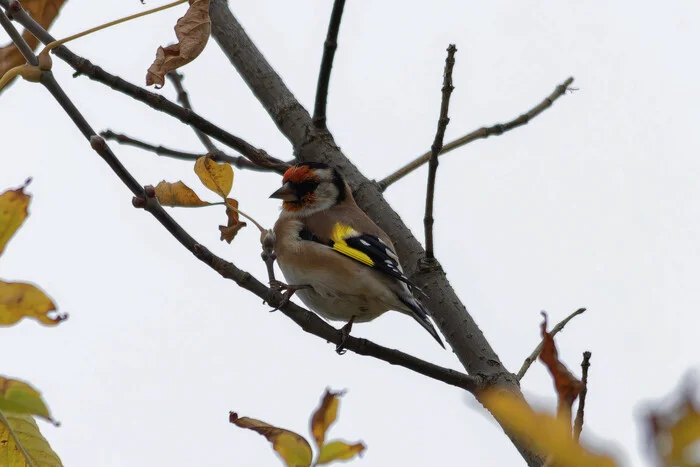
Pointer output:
260, 227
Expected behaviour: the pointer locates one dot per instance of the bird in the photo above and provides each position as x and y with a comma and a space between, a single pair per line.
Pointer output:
334, 257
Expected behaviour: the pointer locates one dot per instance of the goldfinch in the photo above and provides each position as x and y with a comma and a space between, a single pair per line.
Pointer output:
339, 262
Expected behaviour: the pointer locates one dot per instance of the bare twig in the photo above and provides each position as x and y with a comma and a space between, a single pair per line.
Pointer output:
484, 132
447, 89
237, 161
324, 74
18, 40
308, 321
535, 353
155, 101
578, 423
184, 100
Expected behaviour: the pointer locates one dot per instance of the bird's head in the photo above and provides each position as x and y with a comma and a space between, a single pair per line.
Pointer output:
310, 187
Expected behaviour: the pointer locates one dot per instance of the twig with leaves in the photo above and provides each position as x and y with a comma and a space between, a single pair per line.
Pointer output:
447, 89
484, 132
535, 353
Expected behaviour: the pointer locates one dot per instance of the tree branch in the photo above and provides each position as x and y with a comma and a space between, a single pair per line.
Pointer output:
176, 78
535, 353
314, 144
307, 320
484, 132
578, 423
447, 89
324, 74
153, 100
218, 156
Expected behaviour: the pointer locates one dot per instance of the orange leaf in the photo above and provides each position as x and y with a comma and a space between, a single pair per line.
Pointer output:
324, 416
19, 300
178, 195
566, 384
338, 451
13, 211
292, 448
192, 31
229, 231
547, 435
43, 12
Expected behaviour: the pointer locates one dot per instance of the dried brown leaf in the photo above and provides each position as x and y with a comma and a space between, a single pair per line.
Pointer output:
230, 230
192, 31
566, 384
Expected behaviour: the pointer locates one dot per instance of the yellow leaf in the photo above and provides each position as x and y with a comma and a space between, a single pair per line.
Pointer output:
547, 435
13, 211
294, 450
178, 194
19, 300
31, 439
339, 450
217, 177
324, 416
677, 431
43, 12
19, 397
192, 31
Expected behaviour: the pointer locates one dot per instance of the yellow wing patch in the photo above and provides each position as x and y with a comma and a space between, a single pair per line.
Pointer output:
340, 233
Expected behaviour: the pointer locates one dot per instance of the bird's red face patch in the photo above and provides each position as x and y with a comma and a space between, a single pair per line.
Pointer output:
299, 174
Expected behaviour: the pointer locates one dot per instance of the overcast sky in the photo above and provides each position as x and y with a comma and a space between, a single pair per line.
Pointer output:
594, 203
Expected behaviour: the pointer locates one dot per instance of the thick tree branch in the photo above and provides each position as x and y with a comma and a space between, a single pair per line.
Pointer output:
536, 353
314, 144
176, 78
578, 423
484, 132
307, 320
447, 89
324, 74
218, 156
153, 100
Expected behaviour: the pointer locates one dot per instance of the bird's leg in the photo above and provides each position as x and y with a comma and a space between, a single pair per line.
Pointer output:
344, 334
289, 290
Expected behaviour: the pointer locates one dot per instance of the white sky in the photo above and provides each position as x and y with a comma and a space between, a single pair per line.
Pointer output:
595, 204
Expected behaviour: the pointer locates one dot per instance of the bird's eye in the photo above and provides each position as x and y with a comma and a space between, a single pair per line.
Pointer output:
306, 187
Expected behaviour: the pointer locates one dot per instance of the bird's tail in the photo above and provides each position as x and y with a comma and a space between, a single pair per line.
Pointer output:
419, 313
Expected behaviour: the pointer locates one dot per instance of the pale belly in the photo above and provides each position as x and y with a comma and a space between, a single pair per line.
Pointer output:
337, 302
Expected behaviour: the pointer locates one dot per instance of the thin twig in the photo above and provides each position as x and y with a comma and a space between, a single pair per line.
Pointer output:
307, 320
535, 353
578, 423
447, 89
19, 42
184, 100
484, 132
324, 74
237, 161
155, 101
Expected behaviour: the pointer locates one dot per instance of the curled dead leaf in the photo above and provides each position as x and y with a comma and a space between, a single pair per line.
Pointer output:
325, 415
566, 384
192, 31
291, 447
339, 451
229, 231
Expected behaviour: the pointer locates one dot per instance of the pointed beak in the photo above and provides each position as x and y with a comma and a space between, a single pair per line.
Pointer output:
286, 193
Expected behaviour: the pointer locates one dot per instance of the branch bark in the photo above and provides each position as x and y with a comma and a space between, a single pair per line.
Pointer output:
447, 89
313, 144
578, 423
183, 98
484, 132
324, 74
